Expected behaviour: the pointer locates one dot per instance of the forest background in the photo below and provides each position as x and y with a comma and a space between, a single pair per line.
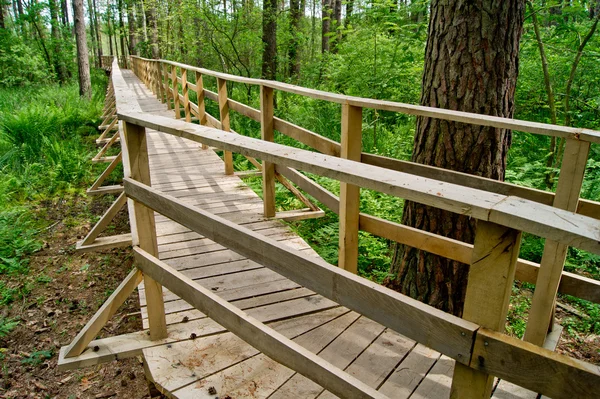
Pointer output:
371, 49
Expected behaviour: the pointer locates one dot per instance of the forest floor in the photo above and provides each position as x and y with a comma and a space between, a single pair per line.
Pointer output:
60, 293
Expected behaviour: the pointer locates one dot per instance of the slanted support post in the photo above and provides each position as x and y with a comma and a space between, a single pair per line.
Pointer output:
137, 149
351, 147
186, 97
553, 258
491, 276
175, 92
160, 78
267, 134
201, 103
225, 124
165, 72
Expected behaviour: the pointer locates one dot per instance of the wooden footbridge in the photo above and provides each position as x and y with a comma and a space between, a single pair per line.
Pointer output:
235, 305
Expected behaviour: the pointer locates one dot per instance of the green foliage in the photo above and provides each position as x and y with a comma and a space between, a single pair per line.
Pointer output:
36, 358
18, 239
7, 325
19, 63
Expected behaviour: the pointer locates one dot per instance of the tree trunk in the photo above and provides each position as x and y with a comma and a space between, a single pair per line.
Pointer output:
64, 10
2, 23
337, 24
83, 62
293, 53
131, 28
59, 65
97, 32
326, 13
122, 33
151, 18
471, 64
92, 30
349, 11
269, 39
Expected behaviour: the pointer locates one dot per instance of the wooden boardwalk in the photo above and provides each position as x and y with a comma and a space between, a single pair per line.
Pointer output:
215, 363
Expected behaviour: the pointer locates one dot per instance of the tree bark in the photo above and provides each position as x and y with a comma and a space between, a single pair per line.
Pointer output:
122, 33
83, 62
98, 61
337, 24
293, 53
269, 39
153, 23
64, 12
131, 28
97, 32
326, 13
471, 64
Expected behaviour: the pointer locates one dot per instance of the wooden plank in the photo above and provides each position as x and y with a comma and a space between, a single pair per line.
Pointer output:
263, 338
410, 372
114, 189
106, 311
350, 194
224, 120
299, 214
512, 359
137, 150
186, 98
437, 382
443, 332
260, 376
203, 357
491, 275
555, 253
201, 107
267, 134
175, 92
100, 243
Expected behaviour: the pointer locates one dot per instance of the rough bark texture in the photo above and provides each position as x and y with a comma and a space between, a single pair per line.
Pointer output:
131, 28
97, 32
269, 39
293, 53
83, 62
64, 12
471, 64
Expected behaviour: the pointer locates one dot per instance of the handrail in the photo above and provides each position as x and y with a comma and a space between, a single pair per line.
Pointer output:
589, 135
545, 221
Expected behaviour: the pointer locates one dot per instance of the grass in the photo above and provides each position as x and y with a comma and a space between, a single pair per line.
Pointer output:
47, 137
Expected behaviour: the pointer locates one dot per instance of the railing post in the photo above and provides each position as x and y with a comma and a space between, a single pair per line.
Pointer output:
491, 276
168, 92
351, 147
568, 189
175, 92
267, 134
186, 98
137, 154
160, 77
201, 104
224, 117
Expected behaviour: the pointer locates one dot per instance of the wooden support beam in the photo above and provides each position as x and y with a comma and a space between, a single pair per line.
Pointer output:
553, 258
106, 311
225, 124
186, 96
137, 150
201, 102
108, 216
161, 81
109, 169
491, 276
267, 134
350, 194
175, 92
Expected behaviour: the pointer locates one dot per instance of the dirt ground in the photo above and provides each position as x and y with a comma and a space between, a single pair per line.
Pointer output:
66, 288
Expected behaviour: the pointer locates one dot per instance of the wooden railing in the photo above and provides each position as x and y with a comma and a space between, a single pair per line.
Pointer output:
503, 210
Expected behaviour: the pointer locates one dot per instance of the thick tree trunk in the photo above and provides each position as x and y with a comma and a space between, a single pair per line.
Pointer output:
326, 13
471, 64
2, 23
269, 39
293, 53
83, 62
122, 33
337, 24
